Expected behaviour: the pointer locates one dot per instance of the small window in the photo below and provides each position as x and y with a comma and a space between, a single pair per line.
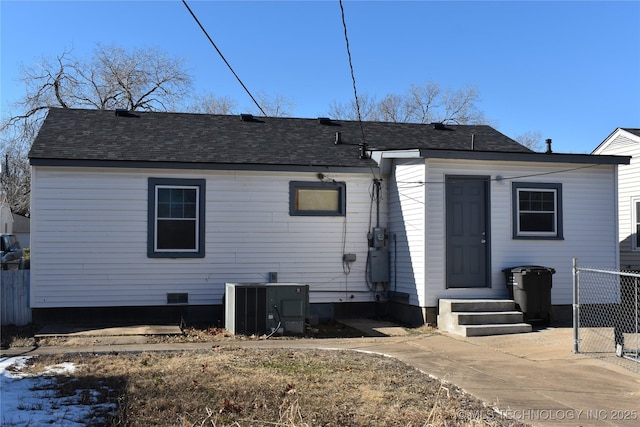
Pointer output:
176, 218
317, 198
537, 210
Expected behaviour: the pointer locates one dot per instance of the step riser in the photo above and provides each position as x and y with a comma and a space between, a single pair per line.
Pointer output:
488, 319
506, 305
498, 330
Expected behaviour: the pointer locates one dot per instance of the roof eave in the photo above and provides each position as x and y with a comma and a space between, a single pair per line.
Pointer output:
527, 157
201, 166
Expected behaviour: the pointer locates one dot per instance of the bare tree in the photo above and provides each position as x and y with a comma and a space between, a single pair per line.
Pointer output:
419, 104
208, 103
274, 105
531, 140
137, 80
15, 181
368, 109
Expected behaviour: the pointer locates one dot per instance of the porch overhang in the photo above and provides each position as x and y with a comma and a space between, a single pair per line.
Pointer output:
385, 158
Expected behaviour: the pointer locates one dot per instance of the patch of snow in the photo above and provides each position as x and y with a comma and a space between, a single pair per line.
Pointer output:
29, 400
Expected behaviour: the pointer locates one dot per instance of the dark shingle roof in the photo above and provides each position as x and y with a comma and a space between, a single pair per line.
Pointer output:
634, 131
90, 135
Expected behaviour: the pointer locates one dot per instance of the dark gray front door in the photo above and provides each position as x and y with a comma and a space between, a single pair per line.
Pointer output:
467, 231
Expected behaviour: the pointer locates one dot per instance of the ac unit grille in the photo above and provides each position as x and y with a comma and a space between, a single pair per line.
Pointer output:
261, 308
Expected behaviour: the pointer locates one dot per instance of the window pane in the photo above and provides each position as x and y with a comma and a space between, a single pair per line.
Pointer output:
176, 234
189, 210
189, 195
177, 202
537, 222
539, 201
164, 210
318, 200
164, 195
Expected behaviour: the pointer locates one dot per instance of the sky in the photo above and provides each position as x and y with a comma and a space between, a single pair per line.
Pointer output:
568, 70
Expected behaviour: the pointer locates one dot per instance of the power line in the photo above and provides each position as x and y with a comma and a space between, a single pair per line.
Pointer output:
353, 76
506, 178
223, 58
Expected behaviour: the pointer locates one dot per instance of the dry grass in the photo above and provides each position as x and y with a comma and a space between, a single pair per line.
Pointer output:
228, 386
23, 336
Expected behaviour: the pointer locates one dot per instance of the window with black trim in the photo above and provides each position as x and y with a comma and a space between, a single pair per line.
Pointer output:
317, 198
176, 218
537, 210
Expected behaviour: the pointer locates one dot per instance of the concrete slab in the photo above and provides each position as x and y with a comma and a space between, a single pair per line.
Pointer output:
106, 331
534, 378
375, 328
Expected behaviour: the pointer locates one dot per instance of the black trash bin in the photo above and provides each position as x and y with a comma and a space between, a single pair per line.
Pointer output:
530, 287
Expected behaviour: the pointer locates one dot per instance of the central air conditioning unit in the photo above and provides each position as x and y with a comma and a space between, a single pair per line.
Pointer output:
266, 308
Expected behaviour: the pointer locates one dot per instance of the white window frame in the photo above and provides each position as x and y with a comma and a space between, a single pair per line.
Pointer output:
195, 219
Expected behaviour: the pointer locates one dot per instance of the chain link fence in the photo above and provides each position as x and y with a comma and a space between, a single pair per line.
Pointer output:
606, 315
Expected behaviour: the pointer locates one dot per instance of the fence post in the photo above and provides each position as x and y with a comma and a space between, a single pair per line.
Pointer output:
576, 307
637, 316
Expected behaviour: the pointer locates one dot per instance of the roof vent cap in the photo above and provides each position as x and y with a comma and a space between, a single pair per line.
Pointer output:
438, 125
122, 112
338, 138
324, 120
246, 117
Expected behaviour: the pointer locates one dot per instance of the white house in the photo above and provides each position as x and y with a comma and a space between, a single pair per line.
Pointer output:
148, 215
626, 142
6, 217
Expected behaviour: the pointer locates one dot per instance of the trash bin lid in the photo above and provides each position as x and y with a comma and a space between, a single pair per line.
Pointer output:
523, 269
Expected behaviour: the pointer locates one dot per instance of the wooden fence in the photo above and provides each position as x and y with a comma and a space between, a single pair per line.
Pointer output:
14, 297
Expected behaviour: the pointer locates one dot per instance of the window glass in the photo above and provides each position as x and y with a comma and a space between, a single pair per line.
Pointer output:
317, 198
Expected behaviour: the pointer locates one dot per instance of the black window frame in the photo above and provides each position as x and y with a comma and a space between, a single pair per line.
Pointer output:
556, 188
154, 183
294, 186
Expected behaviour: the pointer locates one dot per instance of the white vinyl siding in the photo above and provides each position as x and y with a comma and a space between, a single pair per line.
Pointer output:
89, 238
589, 225
623, 143
407, 222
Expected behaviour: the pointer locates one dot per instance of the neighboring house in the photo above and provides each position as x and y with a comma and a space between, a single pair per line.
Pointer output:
6, 217
22, 229
626, 141
139, 215
12, 223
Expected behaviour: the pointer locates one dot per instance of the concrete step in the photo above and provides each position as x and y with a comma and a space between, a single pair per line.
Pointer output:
488, 317
480, 317
456, 305
484, 330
